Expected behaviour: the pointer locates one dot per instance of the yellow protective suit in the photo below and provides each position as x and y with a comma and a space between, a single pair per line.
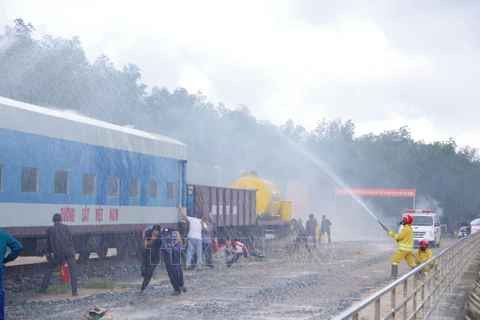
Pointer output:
422, 256
317, 233
405, 246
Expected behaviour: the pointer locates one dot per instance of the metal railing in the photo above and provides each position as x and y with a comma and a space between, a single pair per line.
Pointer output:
417, 294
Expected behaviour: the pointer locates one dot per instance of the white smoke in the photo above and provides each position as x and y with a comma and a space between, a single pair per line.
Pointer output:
427, 203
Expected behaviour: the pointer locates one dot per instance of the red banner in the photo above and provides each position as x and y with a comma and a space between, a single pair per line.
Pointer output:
404, 193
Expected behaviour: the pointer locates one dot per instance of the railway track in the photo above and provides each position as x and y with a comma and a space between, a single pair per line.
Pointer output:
30, 269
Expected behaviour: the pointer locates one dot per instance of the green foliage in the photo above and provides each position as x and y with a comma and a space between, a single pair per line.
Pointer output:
105, 283
125, 285
55, 72
100, 283
61, 288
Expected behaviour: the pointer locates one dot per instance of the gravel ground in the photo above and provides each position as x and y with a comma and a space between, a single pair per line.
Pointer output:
284, 286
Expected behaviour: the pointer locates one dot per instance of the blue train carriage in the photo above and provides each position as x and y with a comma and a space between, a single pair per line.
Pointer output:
107, 181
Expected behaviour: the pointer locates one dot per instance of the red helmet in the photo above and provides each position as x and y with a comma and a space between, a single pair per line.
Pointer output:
423, 243
408, 218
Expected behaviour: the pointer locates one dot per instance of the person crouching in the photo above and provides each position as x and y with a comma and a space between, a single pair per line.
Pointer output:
233, 250
422, 255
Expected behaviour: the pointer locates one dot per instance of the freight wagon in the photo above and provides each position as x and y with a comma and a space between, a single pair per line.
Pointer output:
235, 211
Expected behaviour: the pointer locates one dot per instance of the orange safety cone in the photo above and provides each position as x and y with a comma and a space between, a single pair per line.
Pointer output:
64, 271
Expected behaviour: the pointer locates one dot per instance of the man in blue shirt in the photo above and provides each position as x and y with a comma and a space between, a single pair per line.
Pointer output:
150, 254
171, 247
6, 240
150, 228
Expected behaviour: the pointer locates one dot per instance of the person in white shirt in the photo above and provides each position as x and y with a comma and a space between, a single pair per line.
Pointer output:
196, 226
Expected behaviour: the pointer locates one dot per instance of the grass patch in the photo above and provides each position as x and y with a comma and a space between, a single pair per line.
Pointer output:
105, 283
100, 283
59, 288
92, 283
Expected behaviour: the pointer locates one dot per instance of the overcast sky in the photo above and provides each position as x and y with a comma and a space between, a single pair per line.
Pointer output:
382, 64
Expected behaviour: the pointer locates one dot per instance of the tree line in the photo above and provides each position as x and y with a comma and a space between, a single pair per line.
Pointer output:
55, 72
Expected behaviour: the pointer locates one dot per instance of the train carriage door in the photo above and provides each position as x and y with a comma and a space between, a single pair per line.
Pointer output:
182, 183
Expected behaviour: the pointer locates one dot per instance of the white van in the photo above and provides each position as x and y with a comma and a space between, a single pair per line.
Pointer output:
426, 225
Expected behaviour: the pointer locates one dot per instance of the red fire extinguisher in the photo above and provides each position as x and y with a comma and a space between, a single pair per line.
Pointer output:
215, 244
64, 271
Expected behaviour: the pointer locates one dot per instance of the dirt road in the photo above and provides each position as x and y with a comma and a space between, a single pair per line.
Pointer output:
316, 285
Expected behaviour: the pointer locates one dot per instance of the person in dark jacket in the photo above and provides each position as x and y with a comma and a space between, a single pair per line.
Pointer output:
60, 248
6, 240
298, 234
325, 227
310, 227
171, 247
150, 254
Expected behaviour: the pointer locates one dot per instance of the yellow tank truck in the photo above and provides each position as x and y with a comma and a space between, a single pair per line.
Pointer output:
273, 214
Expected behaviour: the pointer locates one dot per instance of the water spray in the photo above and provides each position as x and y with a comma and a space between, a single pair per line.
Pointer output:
329, 171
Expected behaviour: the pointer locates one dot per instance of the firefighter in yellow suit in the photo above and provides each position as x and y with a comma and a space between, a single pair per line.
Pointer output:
405, 245
424, 254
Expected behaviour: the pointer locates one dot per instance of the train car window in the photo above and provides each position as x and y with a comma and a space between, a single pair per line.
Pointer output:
89, 184
170, 190
62, 182
153, 189
113, 187
134, 188
30, 179
1, 177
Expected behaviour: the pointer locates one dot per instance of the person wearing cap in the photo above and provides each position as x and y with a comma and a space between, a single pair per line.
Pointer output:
60, 248
150, 254
171, 247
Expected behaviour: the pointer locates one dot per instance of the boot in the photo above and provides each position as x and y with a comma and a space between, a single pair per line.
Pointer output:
419, 275
394, 275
